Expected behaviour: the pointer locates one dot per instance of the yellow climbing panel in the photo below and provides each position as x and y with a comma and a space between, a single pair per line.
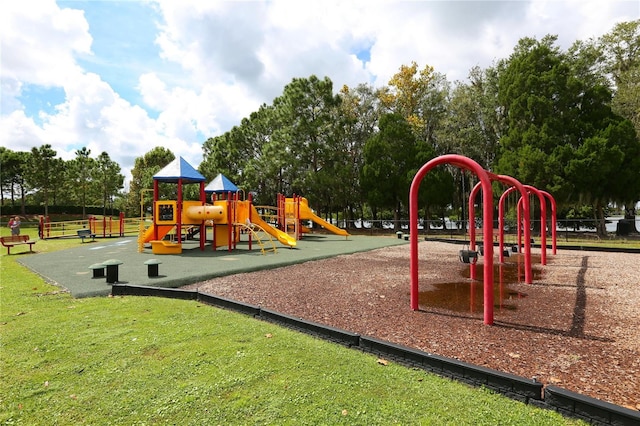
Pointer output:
258, 235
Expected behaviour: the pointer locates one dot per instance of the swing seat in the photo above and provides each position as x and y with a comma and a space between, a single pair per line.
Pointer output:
468, 256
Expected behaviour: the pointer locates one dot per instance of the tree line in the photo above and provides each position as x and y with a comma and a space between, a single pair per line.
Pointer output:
40, 178
566, 121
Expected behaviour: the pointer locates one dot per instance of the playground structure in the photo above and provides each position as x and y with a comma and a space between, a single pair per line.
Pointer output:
227, 215
293, 210
229, 218
485, 179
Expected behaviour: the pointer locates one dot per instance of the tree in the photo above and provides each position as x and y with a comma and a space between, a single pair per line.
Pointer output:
358, 120
80, 177
539, 97
249, 155
303, 132
13, 169
561, 130
43, 170
421, 98
389, 165
621, 58
405, 93
142, 175
621, 49
474, 122
107, 179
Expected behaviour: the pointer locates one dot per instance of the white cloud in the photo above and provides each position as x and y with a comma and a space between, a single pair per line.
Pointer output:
39, 41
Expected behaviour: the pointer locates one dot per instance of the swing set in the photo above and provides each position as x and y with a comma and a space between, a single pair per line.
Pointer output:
485, 179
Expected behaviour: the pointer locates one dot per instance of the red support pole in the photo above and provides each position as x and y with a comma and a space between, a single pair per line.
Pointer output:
543, 223
471, 213
520, 203
234, 217
203, 226
279, 211
296, 222
153, 209
553, 220
229, 224
516, 185
179, 213
250, 210
465, 163
501, 229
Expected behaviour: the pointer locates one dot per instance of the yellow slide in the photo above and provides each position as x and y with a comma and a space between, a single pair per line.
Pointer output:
307, 214
283, 237
162, 231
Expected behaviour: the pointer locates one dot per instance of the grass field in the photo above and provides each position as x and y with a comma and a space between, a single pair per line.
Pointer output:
142, 360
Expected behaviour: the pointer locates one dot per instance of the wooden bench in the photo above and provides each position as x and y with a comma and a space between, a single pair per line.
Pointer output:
16, 240
86, 233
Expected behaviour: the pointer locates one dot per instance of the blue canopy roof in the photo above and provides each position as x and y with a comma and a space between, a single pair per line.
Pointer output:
179, 169
220, 184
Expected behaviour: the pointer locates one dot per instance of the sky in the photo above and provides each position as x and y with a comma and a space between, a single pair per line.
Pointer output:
127, 76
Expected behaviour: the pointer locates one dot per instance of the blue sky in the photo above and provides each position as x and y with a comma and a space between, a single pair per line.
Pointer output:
127, 76
123, 44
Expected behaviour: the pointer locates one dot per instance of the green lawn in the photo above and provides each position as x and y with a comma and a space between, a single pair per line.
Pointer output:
143, 360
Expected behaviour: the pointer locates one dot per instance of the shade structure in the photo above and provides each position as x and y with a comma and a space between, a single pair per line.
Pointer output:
179, 169
220, 184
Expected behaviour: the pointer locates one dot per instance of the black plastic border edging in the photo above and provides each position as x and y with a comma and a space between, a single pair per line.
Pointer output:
330, 333
568, 403
232, 305
589, 409
513, 386
139, 290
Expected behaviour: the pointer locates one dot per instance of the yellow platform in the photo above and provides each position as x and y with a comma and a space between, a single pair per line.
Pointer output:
165, 247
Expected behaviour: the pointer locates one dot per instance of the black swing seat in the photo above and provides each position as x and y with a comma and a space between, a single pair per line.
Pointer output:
468, 256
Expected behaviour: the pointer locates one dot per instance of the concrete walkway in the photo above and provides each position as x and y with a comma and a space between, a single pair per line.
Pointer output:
69, 268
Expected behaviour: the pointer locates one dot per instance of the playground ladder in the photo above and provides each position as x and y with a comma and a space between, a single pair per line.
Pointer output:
259, 235
141, 229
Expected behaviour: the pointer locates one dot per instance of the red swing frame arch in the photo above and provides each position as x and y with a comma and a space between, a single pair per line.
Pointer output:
515, 185
466, 163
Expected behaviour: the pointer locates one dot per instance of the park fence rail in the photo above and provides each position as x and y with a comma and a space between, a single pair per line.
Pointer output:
100, 226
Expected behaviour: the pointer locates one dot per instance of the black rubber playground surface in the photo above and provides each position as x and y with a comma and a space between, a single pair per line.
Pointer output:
69, 268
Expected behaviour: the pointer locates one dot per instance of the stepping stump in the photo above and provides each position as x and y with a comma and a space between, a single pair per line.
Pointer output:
98, 270
152, 267
112, 270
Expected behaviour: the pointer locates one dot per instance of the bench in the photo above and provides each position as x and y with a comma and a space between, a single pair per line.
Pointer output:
15, 240
86, 233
